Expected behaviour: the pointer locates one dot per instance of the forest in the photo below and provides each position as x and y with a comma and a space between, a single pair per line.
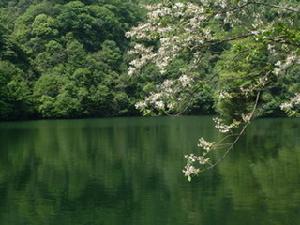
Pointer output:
70, 59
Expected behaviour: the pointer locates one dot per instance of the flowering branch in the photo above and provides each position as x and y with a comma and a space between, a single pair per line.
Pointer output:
177, 29
190, 170
290, 106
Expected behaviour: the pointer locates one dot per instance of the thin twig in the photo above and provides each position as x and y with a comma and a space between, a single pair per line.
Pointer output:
238, 136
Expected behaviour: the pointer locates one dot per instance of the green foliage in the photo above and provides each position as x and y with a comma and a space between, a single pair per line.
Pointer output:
65, 59
61, 59
15, 94
243, 63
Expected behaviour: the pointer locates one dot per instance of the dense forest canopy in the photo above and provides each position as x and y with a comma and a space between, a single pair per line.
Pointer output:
65, 59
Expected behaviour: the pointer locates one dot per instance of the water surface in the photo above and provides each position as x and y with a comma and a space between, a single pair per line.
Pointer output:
127, 171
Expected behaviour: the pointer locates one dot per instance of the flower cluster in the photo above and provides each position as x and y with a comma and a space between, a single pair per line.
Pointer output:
291, 105
189, 169
168, 96
282, 66
194, 158
246, 117
145, 55
222, 127
185, 80
224, 95
207, 146
185, 27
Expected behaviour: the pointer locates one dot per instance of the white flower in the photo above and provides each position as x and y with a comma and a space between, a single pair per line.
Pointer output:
286, 106
224, 95
141, 105
255, 32
185, 80
293, 102
179, 5
190, 170
205, 144
246, 117
160, 105
223, 128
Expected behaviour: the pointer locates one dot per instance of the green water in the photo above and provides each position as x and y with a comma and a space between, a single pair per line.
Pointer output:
127, 171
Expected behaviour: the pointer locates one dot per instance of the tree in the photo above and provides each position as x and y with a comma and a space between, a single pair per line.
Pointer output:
15, 95
55, 98
259, 46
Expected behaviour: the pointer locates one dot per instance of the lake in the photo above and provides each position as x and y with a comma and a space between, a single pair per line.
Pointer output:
128, 171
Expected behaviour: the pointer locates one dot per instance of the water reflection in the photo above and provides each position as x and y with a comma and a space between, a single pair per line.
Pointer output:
128, 171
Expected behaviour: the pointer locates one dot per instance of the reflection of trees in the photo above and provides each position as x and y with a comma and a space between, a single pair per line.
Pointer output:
263, 173
124, 171
90, 170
